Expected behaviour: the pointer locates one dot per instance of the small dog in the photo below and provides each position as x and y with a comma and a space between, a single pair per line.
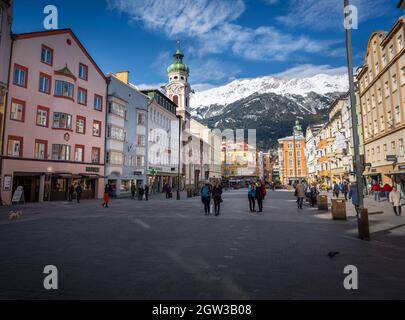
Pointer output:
14, 215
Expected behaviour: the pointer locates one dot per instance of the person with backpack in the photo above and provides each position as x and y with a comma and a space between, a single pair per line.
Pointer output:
140, 193
336, 190
345, 189
217, 197
147, 193
252, 197
206, 192
79, 191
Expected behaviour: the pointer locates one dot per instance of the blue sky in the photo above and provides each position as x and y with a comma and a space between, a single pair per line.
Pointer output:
222, 39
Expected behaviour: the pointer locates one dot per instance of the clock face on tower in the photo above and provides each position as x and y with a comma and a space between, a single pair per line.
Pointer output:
176, 88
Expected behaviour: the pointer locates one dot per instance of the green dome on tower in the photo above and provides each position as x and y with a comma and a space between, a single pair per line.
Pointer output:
178, 65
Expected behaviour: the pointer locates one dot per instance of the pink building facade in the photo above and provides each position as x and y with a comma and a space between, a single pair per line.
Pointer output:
55, 119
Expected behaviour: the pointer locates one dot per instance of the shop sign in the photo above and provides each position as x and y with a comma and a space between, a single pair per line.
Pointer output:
401, 167
92, 169
7, 183
392, 158
138, 173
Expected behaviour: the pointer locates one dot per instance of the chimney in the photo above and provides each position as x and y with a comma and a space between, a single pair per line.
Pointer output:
123, 76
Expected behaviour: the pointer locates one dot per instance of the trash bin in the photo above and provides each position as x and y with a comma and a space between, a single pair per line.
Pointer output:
339, 209
323, 203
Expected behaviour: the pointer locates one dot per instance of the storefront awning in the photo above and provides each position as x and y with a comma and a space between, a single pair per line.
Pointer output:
395, 173
371, 174
92, 176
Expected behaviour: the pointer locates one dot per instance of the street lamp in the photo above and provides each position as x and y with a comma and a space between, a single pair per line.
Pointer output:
178, 168
362, 219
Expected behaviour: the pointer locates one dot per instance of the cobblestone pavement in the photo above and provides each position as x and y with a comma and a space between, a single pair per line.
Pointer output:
168, 249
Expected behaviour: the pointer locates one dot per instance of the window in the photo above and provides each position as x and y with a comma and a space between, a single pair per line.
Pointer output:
47, 55
15, 146
400, 42
382, 123
393, 147
389, 120
387, 89
140, 161
394, 83
379, 95
385, 151
17, 112
115, 158
397, 115
377, 68
98, 102
402, 76
384, 59
45, 83
141, 141
41, 150
61, 152
42, 116
401, 148
79, 153
81, 125
116, 133
64, 89
141, 119
62, 121
96, 128
392, 52
83, 71
378, 154
117, 109
20, 76
95, 155
82, 96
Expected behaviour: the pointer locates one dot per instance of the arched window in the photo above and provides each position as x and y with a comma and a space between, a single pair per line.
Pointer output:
176, 99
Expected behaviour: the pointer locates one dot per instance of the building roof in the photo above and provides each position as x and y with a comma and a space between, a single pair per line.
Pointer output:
292, 138
48, 33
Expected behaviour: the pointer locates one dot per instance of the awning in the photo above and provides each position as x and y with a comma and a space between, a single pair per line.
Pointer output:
395, 173
67, 175
93, 176
370, 174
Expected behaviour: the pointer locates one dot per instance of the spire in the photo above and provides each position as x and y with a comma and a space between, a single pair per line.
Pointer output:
297, 128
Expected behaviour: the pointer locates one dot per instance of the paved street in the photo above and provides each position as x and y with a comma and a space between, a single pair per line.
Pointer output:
165, 249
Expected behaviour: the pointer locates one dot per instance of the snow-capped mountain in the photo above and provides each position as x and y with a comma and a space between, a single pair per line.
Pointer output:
268, 105
320, 84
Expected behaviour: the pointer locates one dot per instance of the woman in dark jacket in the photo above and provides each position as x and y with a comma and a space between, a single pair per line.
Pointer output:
217, 196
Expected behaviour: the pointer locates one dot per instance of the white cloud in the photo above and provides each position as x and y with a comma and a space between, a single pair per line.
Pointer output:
145, 86
323, 15
212, 71
310, 70
212, 29
180, 17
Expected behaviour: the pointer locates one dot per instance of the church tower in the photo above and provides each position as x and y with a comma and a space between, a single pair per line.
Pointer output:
178, 89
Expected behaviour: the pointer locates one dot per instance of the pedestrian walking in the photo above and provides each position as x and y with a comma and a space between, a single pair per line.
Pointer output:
71, 192
252, 197
313, 193
376, 189
168, 192
387, 190
217, 197
141, 192
259, 195
300, 191
354, 196
206, 192
395, 199
336, 190
264, 190
146, 192
133, 191
79, 191
106, 197
345, 189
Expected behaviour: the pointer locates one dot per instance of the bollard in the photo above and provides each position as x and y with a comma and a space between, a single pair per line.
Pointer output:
323, 203
363, 224
339, 209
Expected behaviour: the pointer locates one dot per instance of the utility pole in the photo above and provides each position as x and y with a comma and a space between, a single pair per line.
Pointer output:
179, 159
362, 214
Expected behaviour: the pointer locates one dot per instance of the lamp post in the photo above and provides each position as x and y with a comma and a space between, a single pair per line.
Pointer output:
179, 159
363, 217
